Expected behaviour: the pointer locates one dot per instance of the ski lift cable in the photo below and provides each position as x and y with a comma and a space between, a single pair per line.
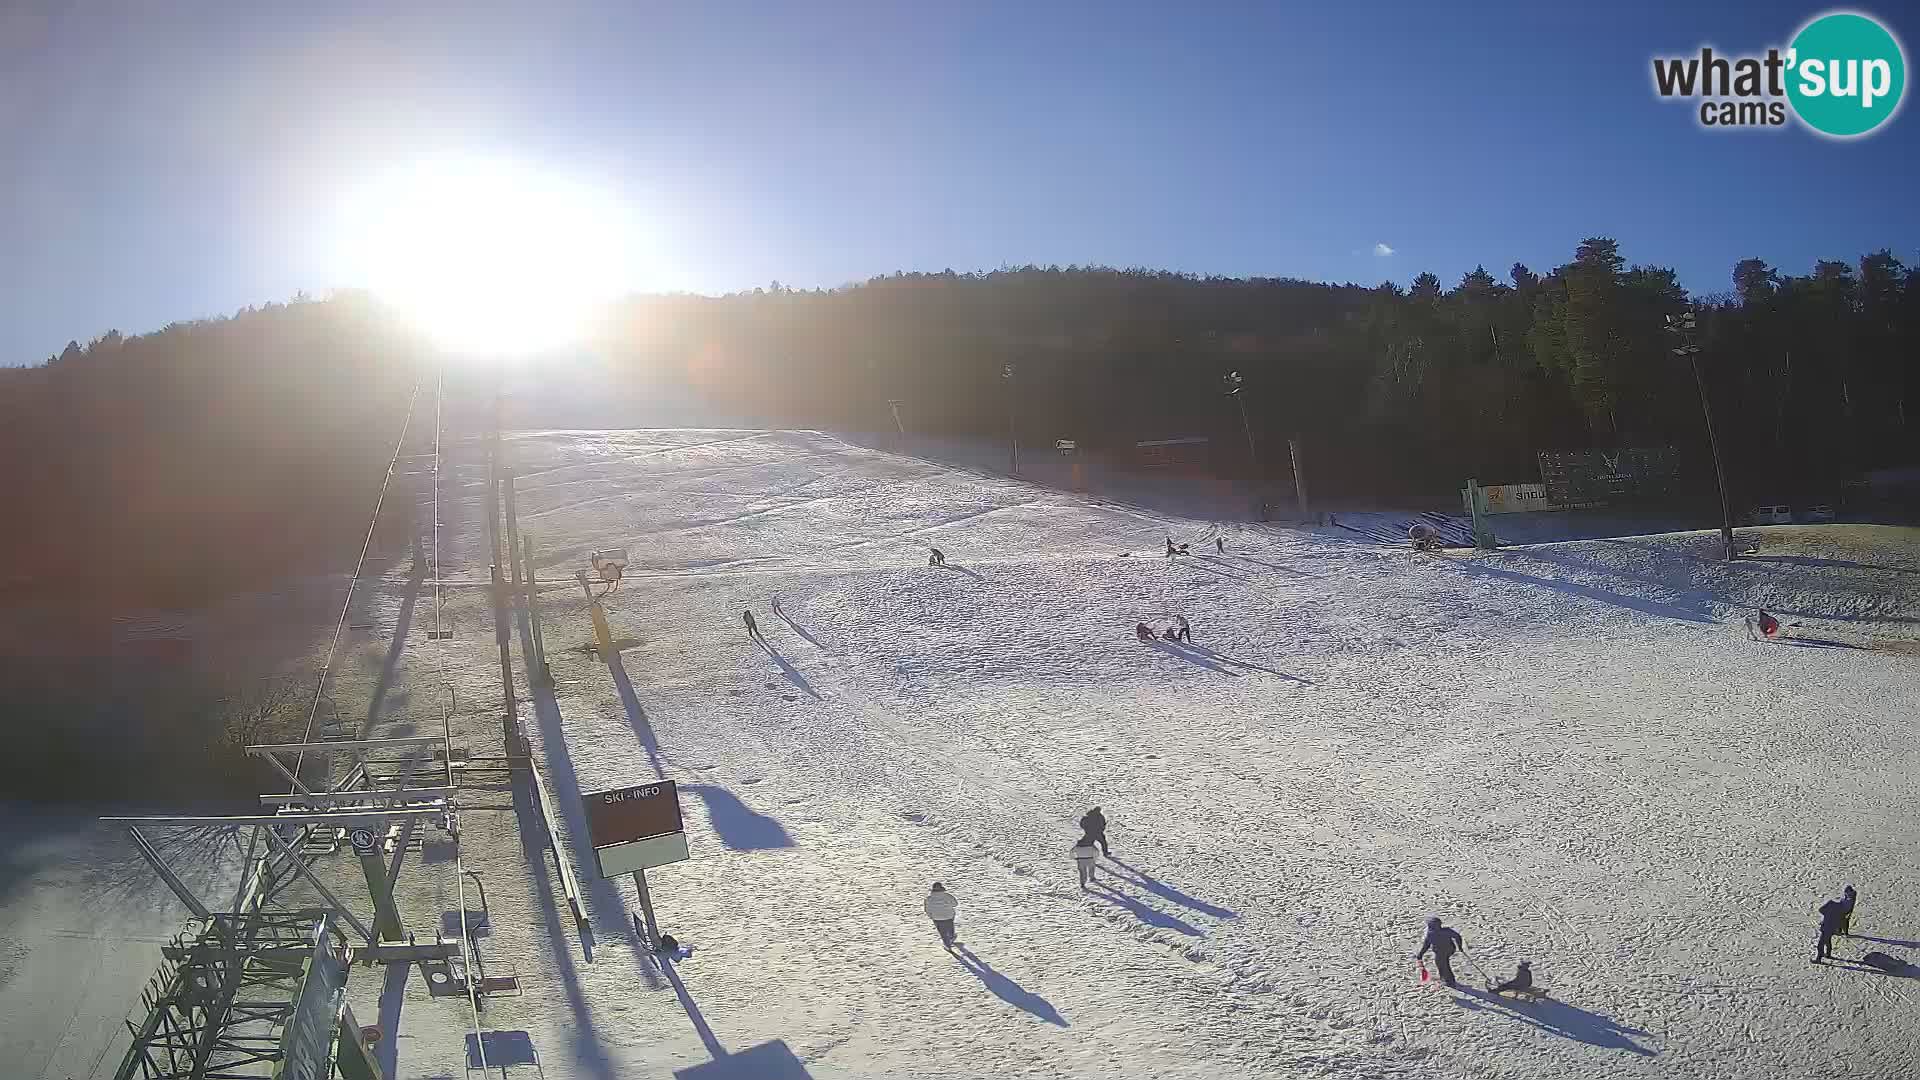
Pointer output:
446, 731
346, 607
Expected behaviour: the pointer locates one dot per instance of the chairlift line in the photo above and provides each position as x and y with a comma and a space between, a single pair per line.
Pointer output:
373, 523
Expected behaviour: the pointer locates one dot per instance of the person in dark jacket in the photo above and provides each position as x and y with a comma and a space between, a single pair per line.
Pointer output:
1094, 824
1185, 631
753, 630
938, 558
1171, 552
1143, 631
1832, 914
1847, 897
1220, 544
1521, 982
1443, 941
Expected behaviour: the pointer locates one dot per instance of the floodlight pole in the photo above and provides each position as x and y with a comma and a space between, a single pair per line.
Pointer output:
1013, 431
1685, 327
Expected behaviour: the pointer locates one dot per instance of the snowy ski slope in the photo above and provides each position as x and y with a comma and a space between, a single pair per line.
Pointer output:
1571, 752
1613, 783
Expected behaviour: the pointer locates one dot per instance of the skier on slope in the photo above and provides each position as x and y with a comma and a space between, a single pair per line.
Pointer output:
1833, 914
1084, 854
1846, 902
1443, 941
1094, 824
941, 906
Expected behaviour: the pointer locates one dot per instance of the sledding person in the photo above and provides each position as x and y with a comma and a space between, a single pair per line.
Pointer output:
1094, 824
941, 907
1172, 633
1833, 914
1443, 941
1522, 980
1143, 631
1769, 626
938, 558
1084, 854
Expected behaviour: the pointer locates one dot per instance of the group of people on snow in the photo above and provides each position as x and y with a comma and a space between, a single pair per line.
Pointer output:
942, 907
1178, 630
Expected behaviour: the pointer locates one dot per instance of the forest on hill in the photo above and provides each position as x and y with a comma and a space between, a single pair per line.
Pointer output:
154, 469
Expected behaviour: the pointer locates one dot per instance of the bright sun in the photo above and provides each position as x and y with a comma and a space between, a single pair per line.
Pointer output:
489, 258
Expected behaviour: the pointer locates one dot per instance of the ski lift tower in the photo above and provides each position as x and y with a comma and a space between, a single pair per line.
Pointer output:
253, 986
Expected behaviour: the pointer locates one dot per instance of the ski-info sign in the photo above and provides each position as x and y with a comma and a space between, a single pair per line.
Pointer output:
635, 827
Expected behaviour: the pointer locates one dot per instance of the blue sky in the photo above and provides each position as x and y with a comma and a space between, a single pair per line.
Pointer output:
171, 161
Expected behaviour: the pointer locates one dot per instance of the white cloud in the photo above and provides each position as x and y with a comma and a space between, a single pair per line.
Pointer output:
1382, 250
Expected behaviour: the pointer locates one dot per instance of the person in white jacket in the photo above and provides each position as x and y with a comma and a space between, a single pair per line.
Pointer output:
1084, 853
941, 908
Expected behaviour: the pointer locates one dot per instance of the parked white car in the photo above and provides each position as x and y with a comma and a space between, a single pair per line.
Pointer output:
1772, 514
1817, 512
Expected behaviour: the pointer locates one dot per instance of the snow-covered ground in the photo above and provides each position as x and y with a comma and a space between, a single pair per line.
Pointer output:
1572, 752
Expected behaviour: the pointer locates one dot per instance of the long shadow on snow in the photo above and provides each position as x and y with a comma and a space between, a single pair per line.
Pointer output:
1259, 562
1167, 892
1191, 658
1605, 596
636, 715
1159, 920
603, 897
794, 626
960, 570
768, 1061
587, 1048
1559, 1018
1809, 560
1006, 989
793, 676
1818, 643
400, 627
739, 826
1887, 941
1237, 662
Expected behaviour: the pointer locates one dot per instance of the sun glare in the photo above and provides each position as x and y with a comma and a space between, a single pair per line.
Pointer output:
491, 259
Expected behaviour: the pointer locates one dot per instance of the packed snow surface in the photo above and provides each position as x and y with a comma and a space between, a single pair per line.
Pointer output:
1573, 753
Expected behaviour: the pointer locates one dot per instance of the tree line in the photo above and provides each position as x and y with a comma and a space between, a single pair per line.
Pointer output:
1395, 391
212, 454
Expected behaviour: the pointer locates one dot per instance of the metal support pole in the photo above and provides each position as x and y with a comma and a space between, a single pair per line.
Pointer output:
1253, 458
510, 734
1713, 444
1299, 474
513, 527
160, 867
541, 673
386, 917
646, 907
300, 864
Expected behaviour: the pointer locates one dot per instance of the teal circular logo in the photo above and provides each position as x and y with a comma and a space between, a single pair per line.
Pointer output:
1846, 74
